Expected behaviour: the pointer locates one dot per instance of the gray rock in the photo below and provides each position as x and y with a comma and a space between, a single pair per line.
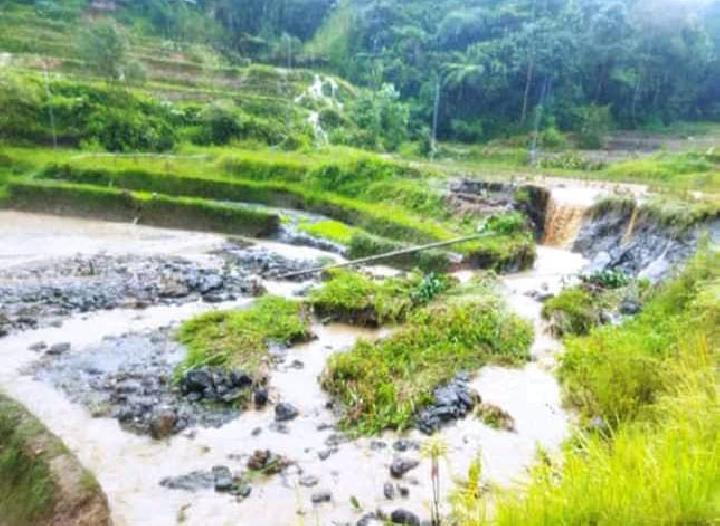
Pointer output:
402, 445
325, 454
400, 466
222, 479
320, 497
243, 490
58, 348
629, 306
401, 516
389, 491
162, 422
193, 481
309, 481
285, 412
261, 396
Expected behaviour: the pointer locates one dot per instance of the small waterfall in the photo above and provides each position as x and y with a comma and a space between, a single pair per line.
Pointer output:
562, 223
316, 92
321, 136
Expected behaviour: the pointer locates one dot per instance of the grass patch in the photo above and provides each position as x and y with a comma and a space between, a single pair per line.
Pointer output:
358, 299
334, 231
383, 385
572, 311
240, 339
27, 490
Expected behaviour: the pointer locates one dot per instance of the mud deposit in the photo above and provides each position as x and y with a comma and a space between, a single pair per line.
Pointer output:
104, 386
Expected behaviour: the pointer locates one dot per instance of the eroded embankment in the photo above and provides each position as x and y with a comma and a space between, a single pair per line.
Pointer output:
615, 227
332, 477
642, 240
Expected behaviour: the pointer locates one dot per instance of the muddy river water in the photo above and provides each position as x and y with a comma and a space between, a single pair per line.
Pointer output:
130, 466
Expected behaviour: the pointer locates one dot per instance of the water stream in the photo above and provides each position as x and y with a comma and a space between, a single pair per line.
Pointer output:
129, 467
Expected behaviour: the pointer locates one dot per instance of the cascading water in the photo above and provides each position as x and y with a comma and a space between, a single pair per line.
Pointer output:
316, 92
565, 213
562, 224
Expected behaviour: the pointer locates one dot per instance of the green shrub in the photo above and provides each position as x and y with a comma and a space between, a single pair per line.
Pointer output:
552, 138
572, 311
240, 339
358, 299
383, 385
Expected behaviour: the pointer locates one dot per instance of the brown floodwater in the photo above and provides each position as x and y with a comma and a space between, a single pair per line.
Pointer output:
129, 466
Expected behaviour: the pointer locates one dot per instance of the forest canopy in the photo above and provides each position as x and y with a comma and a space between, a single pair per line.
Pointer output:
490, 67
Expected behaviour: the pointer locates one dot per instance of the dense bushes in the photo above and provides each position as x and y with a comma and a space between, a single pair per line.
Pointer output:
115, 119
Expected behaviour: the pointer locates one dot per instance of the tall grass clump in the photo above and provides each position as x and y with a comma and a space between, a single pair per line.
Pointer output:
652, 456
384, 384
359, 299
616, 372
240, 339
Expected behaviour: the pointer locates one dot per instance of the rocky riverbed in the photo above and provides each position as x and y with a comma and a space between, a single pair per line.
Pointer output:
101, 381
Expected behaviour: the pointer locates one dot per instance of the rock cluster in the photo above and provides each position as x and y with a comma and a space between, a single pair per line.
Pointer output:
45, 293
219, 478
130, 378
262, 262
450, 402
652, 250
215, 384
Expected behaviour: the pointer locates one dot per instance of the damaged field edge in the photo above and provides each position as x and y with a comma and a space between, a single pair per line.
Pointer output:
647, 393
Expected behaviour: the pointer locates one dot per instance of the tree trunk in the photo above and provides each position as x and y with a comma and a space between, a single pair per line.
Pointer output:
528, 84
